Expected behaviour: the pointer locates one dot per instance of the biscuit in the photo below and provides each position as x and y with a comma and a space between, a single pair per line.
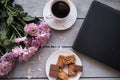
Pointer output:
60, 61
78, 68
53, 73
71, 70
62, 75
58, 78
69, 59
54, 67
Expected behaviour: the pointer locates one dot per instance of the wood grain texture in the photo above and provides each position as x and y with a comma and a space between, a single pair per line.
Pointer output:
67, 37
35, 7
79, 79
93, 70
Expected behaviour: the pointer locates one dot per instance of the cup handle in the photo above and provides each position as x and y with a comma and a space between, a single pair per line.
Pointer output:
49, 17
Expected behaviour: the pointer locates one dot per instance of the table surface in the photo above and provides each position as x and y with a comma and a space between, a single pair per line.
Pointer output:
35, 68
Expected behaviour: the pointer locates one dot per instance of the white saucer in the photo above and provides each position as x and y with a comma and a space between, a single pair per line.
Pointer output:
53, 60
56, 24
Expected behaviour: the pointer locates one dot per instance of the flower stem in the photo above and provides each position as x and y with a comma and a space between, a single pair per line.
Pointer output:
23, 22
16, 31
12, 36
5, 3
1, 53
9, 9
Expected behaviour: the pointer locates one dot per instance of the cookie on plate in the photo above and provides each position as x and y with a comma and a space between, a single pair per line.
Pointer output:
61, 60
78, 68
71, 70
69, 59
54, 69
62, 75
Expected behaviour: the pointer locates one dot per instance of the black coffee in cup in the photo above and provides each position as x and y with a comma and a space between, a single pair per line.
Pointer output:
60, 9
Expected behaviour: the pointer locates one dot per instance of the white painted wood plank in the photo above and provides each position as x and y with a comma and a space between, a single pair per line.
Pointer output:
91, 68
35, 7
100, 79
79, 79
65, 38
95, 68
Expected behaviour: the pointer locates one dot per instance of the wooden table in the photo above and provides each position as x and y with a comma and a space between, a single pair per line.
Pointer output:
35, 68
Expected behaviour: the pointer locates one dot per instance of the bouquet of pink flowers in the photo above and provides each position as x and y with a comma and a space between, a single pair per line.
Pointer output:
36, 36
21, 35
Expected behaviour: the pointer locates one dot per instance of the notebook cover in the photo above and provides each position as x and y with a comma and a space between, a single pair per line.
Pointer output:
99, 35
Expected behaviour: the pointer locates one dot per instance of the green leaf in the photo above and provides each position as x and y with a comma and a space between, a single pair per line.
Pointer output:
12, 11
1, 53
10, 1
19, 27
2, 1
1, 6
13, 37
3, 14
8, 44
3, 35
6, 2
36, 20
9, 19
18, 7
22, 14
28, 18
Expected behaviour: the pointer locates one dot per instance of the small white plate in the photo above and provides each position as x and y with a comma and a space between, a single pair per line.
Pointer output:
56, 24
53, 60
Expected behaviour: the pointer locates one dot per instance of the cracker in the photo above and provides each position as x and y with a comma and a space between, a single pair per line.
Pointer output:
60, 61
53, 73
78, 68
71, 70
70, 59
63, 75
54, 67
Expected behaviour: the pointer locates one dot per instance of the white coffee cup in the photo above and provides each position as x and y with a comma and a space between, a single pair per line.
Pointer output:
57, 14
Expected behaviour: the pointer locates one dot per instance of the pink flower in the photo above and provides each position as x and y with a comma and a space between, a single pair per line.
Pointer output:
45, 34
9, 57
27, 42
43, 26
32, 50
35, 43
17, 51
24, 56
32, 29
42, 38
22, 39
5, 67
27, 54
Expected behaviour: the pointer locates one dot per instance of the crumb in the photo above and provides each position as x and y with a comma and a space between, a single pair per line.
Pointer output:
39, 69
39, 57
29, 71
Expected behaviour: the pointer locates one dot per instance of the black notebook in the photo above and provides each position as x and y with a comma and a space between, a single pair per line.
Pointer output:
99, 35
